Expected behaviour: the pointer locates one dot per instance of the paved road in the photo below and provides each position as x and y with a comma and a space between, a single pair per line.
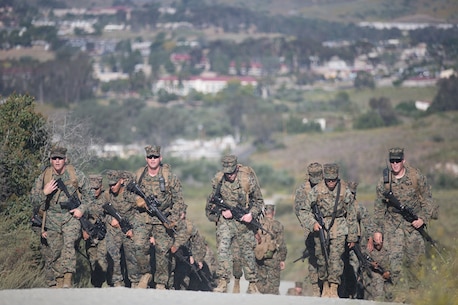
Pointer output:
127, 296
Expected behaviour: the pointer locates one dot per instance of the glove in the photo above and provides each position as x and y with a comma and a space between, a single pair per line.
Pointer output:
140, 202
170, 225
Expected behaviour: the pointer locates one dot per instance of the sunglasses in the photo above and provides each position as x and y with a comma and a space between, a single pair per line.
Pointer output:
152, 157
395, 161
330, 180
57, 158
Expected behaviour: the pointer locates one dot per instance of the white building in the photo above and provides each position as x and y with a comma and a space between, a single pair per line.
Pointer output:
203, 84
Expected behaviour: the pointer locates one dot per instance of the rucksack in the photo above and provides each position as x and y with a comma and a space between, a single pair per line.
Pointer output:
243, 175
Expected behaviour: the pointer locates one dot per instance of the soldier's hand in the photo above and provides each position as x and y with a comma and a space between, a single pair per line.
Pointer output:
50, 187
140, 202
85, 235
152, 240
316, 227
418, 223
76, 213
115, 223
191, 260
173, 249
227, 214
171, 225
386, 275
130, 233
247, 218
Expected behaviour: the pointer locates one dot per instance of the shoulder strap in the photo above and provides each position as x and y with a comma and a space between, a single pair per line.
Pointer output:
334, 212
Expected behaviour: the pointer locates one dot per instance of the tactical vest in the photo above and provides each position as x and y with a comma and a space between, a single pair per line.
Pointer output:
47, 176
165, 172
243, 175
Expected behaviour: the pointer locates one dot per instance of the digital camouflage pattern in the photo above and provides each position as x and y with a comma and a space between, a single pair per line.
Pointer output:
344, 228
405, 244
228, 229
63, 230
269, 267
124, 203
172, 205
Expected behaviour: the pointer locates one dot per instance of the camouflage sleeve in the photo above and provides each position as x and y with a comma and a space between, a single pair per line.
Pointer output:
379, 209
182, 236
85, 191
37, 197
428, 209
280, 241
198, 246
300, 199
306, 215
256, 199
210, 210
352, 217
366, 221
178, 206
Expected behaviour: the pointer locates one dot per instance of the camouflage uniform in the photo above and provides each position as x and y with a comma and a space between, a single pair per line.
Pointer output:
124, 203
298, 289
314, 176
404, 243
63, 230
166, 188
377, 288
340, 226
271, 256
227, 230
349, 287
195, 247
96, 249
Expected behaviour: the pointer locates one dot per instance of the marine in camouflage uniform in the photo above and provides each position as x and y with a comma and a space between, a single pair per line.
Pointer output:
96, 249
270, 258
340, 225
194, 252
156, 179
349, 287
237, 185
378, 286
404, 242
124, 203
297, 290
314, 176
63, 226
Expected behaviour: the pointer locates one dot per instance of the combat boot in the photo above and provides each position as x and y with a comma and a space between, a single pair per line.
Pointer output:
144, 281
316, 291
222, 286
160, 286
326, 290
59, 283
252, 288
236, 288
118, 284
333, 291
67, 280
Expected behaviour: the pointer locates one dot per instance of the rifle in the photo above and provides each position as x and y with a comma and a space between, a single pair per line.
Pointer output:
408, 214
36, 220
305, 254
323, 241
151, 204
368, 263
95, 231
123, 222
237, 213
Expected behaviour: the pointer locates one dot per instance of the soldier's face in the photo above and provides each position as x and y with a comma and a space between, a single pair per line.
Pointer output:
397, 166
58, 163
331, 183
153, 161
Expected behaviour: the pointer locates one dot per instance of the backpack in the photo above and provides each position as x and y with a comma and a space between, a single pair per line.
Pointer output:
244, 174
267, 247
165, 172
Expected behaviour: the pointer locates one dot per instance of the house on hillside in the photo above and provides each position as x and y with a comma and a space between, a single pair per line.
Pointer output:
203, 84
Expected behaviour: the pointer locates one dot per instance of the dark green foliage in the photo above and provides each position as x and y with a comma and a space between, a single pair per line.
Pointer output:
446, 98
368, 120
23, 136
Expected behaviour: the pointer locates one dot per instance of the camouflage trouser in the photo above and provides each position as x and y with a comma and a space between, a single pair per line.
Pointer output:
312, 260
406, 252
142, 243
376, 288
268, 273
226, 232
62, 247
116, 240
165, 262
336, 266
237, 259
97, 254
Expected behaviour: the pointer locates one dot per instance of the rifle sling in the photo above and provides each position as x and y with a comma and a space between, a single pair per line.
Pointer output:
334, 212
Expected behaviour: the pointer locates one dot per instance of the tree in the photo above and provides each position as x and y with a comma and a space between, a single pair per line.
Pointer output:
364, 80
23, 140
445, 98
382, 106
